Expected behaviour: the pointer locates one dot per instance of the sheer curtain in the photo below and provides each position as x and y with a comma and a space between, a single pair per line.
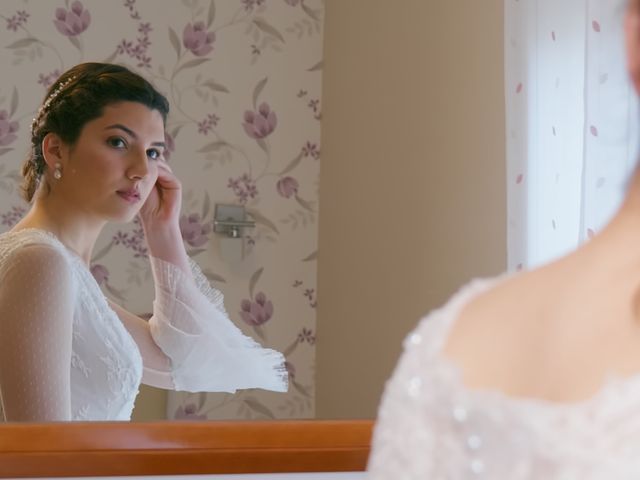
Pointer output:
572, 121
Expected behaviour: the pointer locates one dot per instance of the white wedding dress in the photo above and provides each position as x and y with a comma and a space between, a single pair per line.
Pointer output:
431, 427
66, 355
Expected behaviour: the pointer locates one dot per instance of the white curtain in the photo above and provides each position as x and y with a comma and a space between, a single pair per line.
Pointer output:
572, 121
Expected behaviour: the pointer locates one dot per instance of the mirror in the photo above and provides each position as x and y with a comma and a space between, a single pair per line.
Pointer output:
385, 153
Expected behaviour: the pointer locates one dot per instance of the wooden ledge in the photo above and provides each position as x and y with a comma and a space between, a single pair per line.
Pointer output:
182, 448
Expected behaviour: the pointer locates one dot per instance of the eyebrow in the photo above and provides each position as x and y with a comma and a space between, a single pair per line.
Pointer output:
132, 134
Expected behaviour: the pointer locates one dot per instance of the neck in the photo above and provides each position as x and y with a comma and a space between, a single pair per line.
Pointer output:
77, 230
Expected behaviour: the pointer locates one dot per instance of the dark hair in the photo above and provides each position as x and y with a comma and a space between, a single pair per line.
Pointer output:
77, 97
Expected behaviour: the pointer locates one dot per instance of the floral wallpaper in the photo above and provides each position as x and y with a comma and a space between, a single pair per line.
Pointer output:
243, 78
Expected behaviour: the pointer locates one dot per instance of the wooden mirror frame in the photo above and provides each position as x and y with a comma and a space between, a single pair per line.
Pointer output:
182, 448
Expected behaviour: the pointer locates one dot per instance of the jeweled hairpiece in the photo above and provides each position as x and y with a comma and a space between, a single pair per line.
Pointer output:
47, 103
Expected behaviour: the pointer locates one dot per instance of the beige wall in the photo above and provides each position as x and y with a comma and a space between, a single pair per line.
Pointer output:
151, 405
412, 179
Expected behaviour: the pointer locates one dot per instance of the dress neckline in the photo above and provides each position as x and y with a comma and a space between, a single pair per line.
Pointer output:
52, 236
611, 382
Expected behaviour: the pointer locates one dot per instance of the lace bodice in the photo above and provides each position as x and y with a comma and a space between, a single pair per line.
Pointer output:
431, 427
66, 354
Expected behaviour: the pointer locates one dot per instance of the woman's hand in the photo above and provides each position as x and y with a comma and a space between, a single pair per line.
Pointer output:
160, 216
162, 207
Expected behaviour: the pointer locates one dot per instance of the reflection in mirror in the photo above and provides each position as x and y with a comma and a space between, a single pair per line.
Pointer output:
103, 154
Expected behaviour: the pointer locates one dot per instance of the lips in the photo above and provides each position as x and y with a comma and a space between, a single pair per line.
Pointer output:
129, 195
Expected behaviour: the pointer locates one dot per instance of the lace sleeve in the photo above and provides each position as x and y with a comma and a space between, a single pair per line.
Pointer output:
207, 351
214, 295
36, 318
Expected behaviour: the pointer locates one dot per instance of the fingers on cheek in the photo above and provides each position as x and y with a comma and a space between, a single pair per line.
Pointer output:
164, 171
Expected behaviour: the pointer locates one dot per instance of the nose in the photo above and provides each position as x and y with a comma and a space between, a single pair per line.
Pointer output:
139, 166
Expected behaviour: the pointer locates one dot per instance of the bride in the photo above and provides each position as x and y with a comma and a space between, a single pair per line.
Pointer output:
528, 376
67, 353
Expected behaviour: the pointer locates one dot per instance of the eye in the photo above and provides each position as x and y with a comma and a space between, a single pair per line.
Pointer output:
117, 142
154, 154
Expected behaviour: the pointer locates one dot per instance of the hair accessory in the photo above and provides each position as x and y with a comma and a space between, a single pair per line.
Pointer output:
57, 171
47, 103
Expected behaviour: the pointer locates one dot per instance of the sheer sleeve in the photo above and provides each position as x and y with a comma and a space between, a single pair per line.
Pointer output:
207, 351
36, 318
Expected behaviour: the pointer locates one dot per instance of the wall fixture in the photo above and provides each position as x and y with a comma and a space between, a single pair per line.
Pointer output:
230, 220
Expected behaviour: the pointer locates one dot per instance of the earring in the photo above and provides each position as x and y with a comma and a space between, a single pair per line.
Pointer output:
57, 171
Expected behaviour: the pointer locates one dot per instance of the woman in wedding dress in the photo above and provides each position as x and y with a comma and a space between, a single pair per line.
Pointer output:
67, 352
528, 376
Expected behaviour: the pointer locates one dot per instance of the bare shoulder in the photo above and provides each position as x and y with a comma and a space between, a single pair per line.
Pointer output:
551, 333
501, 314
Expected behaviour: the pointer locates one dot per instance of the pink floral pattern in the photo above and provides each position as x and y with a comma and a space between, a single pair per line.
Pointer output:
100, 273
194, 232
74, 21
188, 412
8, 129
287, 187
18, 20
132, 240
258, 311
244, 187
47, 79
197, 39
11, 217
311, 150
260, 124
208, 124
